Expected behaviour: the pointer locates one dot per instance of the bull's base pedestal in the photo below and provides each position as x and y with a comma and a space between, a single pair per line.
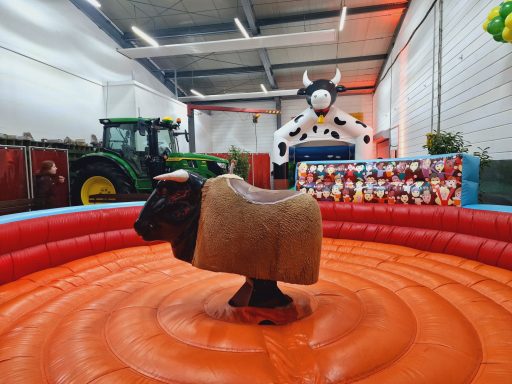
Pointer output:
299, 305
260, 293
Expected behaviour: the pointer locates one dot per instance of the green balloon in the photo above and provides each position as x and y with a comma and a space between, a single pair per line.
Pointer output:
506, 9
498, 37
496, 25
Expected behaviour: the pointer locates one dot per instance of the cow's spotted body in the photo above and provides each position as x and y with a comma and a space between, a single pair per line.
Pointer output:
337, 125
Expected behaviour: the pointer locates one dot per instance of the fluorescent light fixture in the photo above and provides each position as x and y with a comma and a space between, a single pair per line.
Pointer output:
95, 3
241, 28
342, 18
145, 37
263, 88
233, 45
196, 93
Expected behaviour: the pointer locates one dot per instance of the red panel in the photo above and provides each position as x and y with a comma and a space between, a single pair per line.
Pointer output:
70, 249
331, 229
60, 157
98, 242
490, 251
13, 174
10, 237
30, 260
464, 245
32, 232
114, 240
505, 260
6, 268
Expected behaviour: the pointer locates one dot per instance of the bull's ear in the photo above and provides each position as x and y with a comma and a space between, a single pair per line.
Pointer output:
301, 91
340, 88
180, 176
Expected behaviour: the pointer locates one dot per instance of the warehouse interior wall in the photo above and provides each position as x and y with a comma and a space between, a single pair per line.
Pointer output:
474, 84
55, 64
228, 128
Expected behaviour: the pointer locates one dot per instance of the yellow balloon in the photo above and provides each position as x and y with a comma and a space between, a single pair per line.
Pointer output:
507, 34
508, 21
494, 12
484, 25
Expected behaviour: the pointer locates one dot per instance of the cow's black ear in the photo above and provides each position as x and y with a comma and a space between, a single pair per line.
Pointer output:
340, 88
301, 91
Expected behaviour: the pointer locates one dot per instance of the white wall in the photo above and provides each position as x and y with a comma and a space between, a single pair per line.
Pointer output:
203, 132
476, 81
237, 129
54, 62
229, 128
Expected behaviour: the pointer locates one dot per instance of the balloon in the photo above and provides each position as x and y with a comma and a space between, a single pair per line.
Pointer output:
496, 26
505, 10
508, 21
498, 37
507, 34
494, 12
484, 25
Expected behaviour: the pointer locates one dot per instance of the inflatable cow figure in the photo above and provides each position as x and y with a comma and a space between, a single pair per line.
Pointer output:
322, 121
227, 225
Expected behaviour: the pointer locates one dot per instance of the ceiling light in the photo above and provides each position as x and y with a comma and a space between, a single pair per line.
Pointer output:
145, 36
342, 18
196, 93
263, 88
241, 28
95, 3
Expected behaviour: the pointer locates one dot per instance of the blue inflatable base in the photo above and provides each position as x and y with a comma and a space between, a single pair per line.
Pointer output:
490, 207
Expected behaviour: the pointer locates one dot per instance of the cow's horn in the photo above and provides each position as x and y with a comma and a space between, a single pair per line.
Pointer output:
336, 79
180, 176
305, 79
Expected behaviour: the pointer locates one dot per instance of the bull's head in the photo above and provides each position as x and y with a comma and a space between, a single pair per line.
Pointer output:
172, 212
321, 94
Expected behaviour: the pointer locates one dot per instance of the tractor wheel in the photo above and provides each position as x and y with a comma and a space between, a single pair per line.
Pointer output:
98, 178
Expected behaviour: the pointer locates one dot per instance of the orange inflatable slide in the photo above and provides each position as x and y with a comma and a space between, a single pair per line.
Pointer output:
84, 300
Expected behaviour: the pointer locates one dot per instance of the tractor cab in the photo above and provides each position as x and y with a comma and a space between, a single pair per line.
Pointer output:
129, 139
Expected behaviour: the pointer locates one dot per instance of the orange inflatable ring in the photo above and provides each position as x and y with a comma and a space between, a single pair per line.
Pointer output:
381, 313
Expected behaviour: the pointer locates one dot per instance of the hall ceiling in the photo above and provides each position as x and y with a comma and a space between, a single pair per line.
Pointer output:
359, 52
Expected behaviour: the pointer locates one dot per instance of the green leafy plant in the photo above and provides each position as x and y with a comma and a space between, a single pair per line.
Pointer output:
242, 161
442, 142
485, 158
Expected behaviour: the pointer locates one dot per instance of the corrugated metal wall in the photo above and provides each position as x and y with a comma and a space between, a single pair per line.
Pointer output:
476, 81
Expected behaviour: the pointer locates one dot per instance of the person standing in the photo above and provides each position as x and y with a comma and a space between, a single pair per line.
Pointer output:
46, 182
232, 166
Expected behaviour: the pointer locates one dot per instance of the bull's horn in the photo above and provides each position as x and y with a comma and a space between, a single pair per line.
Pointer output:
305, 79
180, 176
336, 79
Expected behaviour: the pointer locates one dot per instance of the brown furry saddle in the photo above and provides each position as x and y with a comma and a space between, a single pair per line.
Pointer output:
269, 235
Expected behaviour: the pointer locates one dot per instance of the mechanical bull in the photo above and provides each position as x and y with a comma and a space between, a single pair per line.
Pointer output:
227, 225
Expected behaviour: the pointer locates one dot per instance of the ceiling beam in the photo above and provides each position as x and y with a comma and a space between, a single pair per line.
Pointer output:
231, 27
104, 23
260, 68
285, 93
232, 45
262, 52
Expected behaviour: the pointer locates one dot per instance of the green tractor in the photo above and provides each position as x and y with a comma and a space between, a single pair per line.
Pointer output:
134, 151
